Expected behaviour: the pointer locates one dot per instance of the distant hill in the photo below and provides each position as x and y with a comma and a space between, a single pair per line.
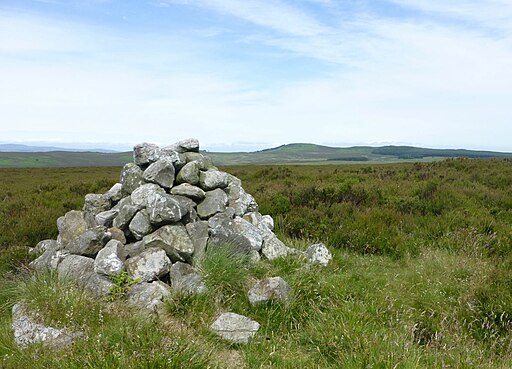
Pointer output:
30, 148
297, 153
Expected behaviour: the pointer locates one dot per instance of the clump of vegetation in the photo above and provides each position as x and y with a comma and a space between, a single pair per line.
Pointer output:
122, 285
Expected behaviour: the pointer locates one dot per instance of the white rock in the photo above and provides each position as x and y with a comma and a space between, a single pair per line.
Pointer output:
235, 328
318, 254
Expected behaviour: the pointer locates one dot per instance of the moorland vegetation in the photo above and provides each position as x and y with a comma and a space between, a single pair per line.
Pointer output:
421, 274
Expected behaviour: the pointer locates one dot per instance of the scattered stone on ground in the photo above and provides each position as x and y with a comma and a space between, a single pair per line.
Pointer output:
235, 328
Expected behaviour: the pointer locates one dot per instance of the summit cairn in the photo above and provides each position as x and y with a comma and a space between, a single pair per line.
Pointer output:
170, 208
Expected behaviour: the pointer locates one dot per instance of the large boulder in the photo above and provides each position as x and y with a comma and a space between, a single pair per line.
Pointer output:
235, 328
149, 265
240, 200
239, 233
146, 194
167, 209
174, 239
215, 202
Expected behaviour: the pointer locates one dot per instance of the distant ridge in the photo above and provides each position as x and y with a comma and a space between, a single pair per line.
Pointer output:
30, 148
296, 153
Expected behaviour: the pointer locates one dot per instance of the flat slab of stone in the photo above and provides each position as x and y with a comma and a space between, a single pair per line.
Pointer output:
186, 145
27, 331
148, 296
70, 226
235, 328
186, 189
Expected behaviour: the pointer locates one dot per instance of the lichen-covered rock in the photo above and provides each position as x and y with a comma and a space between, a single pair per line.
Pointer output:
273, 248
189, 174
140, 225
235, 328
132, 249
167, 209
274, 288
204, 162
187, 145
148, 296
145, 194
185, 279
115, 193
186, 189
149, 265
318, 254
240, 200
239, 233
110, 259
106, 218
127, 210
268, 222
145, 153
214, 202
131, 177
90, 242
94, 204
46, 245
50, 259
27, 331
71, 226
160, 172
198, 233
212, 179
174, 239
178, 159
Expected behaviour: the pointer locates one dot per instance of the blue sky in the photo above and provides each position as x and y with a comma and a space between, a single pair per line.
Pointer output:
254, 74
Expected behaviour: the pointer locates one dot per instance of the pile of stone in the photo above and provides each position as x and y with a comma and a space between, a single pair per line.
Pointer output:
170, 207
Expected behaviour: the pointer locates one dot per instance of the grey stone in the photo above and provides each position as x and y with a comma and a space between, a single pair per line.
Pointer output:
274, 288
160, 172
50, 259
140, 224
117, 234
71, 226
96, 203
167, 209
235, 328
186, 189
98, 285
109, 260
148, 296
253, 217
268, 222
145, 153
145, 194
90, 242
132, 249
239, 233
178, 159
127, 210
189, 174
198, 233
149, 265
318, 254
232, 180
174, 239
185, 279
241, 201
115, 193
219, 219
203, 162
76, 267
131, 178
212, 179
46, 245
27, 331
273, 248
187, 145
214, 202
106, 218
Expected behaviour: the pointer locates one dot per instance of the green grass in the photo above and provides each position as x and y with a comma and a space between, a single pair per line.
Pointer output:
421, 275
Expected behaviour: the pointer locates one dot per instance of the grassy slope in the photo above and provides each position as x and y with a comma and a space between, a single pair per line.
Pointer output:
286, 154
421, 276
